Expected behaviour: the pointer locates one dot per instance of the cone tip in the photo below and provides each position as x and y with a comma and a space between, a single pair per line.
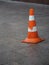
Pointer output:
31, 11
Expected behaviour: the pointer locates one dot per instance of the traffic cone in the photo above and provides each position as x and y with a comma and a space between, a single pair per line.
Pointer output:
32, 36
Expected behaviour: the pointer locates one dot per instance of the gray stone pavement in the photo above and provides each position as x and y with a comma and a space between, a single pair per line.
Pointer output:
13, 29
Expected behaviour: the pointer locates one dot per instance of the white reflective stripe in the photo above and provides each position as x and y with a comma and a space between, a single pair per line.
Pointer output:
31, 18
34, 29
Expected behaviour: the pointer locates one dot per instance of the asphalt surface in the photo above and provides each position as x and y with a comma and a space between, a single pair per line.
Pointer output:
13, 29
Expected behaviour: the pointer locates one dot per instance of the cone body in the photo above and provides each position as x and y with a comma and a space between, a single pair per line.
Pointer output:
32, 36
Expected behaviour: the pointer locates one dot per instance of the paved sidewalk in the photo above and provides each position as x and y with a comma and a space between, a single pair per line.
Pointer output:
13, 29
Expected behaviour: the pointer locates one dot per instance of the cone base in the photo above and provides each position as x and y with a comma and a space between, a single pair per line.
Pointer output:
32, 41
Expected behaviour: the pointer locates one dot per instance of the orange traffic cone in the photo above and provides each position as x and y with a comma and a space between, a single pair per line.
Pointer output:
32, 30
